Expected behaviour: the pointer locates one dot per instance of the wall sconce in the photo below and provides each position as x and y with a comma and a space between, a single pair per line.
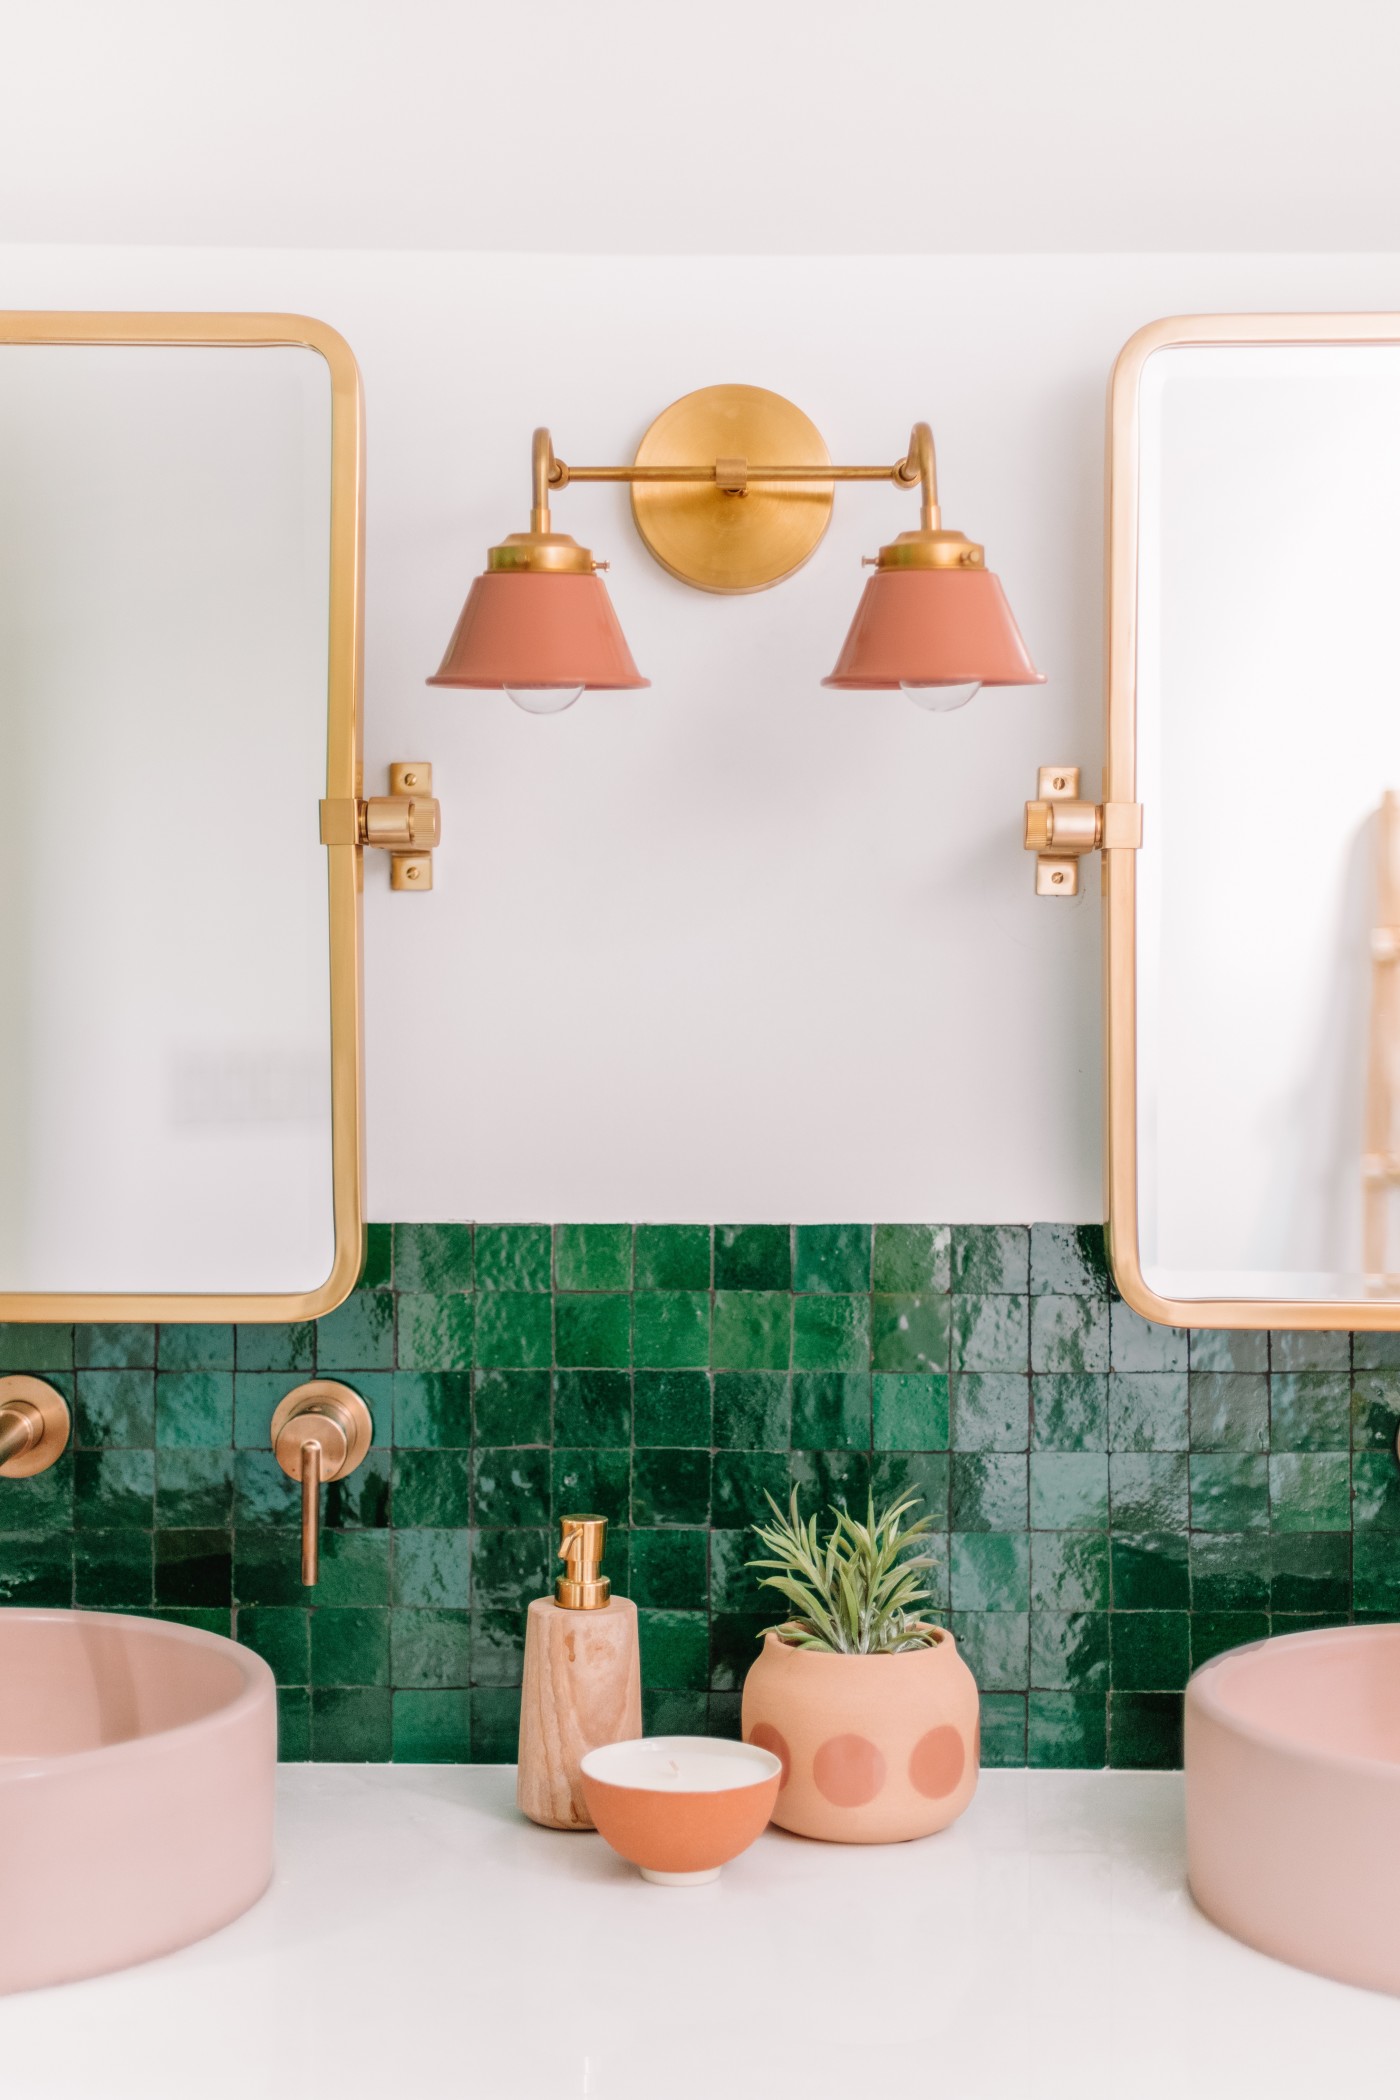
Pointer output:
932, 620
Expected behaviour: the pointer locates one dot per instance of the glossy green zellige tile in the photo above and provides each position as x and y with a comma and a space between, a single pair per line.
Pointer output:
1069, 1412
592, 1407
593, 1330
593, 1257
912, 1259
513, 1257
508, 1407
831, 1410
991, 1411
1148, 1411
671, 1329
1229, 1491
752, 1331
671, 1407
1069, 1258
991, 1333
753, 1410
991, 1258
909, 1331
1069, 1334
514, 1330
672, 1257
831, 1258
910, 1410
432, 1258
753, 1257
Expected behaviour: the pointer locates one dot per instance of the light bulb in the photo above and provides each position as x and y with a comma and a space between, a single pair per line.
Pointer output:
543, 699
941, 699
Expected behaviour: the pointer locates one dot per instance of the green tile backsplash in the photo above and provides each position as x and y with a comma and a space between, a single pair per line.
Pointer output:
1115, 1502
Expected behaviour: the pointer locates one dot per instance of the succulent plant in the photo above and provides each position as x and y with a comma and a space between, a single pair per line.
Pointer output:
859, 1593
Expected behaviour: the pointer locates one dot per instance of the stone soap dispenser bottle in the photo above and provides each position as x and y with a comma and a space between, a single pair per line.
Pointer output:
583, 1679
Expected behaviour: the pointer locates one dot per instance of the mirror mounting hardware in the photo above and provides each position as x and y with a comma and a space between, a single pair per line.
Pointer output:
321, 1431
1060, 829
406, 824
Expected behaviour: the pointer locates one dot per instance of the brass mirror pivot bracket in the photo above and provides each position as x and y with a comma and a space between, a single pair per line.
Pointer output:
1060, 829
406, 824
34, 1426
321, 1431
581, 1544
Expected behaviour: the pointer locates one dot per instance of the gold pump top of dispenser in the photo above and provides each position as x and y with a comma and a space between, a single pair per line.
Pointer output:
581, 1544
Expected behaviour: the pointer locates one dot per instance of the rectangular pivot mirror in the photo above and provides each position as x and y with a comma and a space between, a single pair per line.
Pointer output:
1254, 940
179, 647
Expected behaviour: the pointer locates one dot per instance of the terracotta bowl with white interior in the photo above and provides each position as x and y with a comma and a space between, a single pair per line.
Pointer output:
680, 1806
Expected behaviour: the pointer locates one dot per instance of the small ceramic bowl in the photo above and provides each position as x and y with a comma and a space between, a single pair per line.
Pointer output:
679, 1806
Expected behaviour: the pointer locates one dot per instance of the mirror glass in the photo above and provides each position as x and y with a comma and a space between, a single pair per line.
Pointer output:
1268, 737
165, 1058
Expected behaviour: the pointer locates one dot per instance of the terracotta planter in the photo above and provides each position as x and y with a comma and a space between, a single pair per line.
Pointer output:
874, 1748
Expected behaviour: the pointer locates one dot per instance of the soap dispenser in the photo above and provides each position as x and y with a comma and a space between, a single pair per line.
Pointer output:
583, 1679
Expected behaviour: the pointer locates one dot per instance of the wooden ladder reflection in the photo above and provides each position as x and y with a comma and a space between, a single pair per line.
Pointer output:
1380, 1161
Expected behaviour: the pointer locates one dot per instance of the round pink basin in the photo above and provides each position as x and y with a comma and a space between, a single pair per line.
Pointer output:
1293, 1799
137, 1765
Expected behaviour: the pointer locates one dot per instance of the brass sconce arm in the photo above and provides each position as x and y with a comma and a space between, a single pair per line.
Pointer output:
711, 421
733, 476
406, 824
1061, 829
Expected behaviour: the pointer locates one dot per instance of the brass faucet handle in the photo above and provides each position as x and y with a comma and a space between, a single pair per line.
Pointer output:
321, 1431
34, 1427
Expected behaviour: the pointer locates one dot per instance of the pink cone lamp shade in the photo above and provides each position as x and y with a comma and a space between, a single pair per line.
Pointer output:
933, 627
530, 628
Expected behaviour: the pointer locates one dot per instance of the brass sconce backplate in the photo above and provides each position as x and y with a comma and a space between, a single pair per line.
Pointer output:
733, 533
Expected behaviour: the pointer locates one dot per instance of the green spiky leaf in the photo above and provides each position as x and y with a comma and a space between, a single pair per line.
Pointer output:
864, 1591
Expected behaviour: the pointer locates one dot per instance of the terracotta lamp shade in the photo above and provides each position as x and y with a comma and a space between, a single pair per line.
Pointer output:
533, 629
931, 627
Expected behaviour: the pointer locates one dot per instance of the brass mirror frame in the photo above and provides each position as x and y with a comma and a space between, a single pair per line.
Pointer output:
343, 780
1120, 785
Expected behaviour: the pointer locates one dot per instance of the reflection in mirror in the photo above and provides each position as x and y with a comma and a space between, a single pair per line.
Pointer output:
1268, 743
165, 1064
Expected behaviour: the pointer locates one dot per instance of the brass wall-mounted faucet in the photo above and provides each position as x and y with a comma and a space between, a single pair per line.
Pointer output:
34, 1426
321, 1431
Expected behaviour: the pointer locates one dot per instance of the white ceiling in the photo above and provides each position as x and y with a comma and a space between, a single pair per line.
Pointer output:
731, 126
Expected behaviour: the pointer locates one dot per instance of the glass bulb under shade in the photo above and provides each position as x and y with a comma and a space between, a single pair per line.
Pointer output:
543, 699
941, 699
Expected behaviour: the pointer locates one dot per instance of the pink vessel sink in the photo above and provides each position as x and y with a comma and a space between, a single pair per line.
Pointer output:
137, 1764
1293, 1799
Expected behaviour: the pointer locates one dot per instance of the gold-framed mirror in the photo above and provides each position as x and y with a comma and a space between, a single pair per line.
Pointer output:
181, 565
1253, 1070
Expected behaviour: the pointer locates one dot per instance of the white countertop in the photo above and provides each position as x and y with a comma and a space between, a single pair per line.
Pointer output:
421, 1941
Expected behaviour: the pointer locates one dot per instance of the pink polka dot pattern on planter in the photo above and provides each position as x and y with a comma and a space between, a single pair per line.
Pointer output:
936, 1763
849, 1771
764, 1737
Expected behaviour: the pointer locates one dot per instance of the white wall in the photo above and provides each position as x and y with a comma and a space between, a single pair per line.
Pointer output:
735, 946
725, 126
